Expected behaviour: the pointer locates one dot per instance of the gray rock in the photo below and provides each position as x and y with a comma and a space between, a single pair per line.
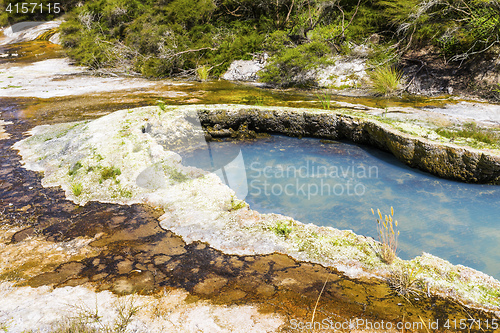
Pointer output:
245, 70
346, 73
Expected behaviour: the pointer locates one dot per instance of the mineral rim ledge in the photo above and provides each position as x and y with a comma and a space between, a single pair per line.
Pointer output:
124, 158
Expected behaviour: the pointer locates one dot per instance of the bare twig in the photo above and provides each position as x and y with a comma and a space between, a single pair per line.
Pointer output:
317, 301
195, 50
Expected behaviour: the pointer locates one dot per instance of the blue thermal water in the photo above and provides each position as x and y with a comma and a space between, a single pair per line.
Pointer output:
336, 184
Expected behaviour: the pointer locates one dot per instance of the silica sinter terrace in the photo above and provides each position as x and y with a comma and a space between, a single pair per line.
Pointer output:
336, 184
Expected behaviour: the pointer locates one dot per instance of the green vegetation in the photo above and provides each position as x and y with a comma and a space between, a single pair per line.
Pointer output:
124, 193
283, 228
77, 189
254, 100
161, 105
11, 86
77, 166
202, 72
109, 172
386, 80
472, 131
238, 204
325, 100
292, 66
388, 236
176, 175
159, 38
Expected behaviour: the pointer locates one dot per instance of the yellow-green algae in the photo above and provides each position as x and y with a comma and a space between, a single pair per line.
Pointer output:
199, 207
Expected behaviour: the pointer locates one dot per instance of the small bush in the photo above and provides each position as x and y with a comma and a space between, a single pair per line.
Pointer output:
295, 66
386, 80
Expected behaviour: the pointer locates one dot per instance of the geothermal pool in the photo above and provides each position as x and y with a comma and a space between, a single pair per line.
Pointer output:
336, 184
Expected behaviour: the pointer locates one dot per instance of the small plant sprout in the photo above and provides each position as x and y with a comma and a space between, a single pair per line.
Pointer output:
283, 228
388, 236
161, 105
77, 189
325, 100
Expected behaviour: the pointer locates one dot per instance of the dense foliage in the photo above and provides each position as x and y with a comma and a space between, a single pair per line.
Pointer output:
159, 38
165, 38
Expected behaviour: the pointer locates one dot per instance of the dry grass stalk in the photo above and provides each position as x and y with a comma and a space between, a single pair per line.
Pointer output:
388, 236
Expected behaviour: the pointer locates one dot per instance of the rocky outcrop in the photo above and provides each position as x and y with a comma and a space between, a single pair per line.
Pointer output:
245, 70
345, 73
440, 159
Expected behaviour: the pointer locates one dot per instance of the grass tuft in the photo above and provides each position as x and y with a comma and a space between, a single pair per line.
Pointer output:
386, 80
75, 168
77, 189
203, 72
161, 105
88, 320
326, 100
238, 204
404, 282
110, 172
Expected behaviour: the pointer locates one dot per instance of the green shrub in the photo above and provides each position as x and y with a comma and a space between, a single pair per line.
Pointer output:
293, 66
460, 30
